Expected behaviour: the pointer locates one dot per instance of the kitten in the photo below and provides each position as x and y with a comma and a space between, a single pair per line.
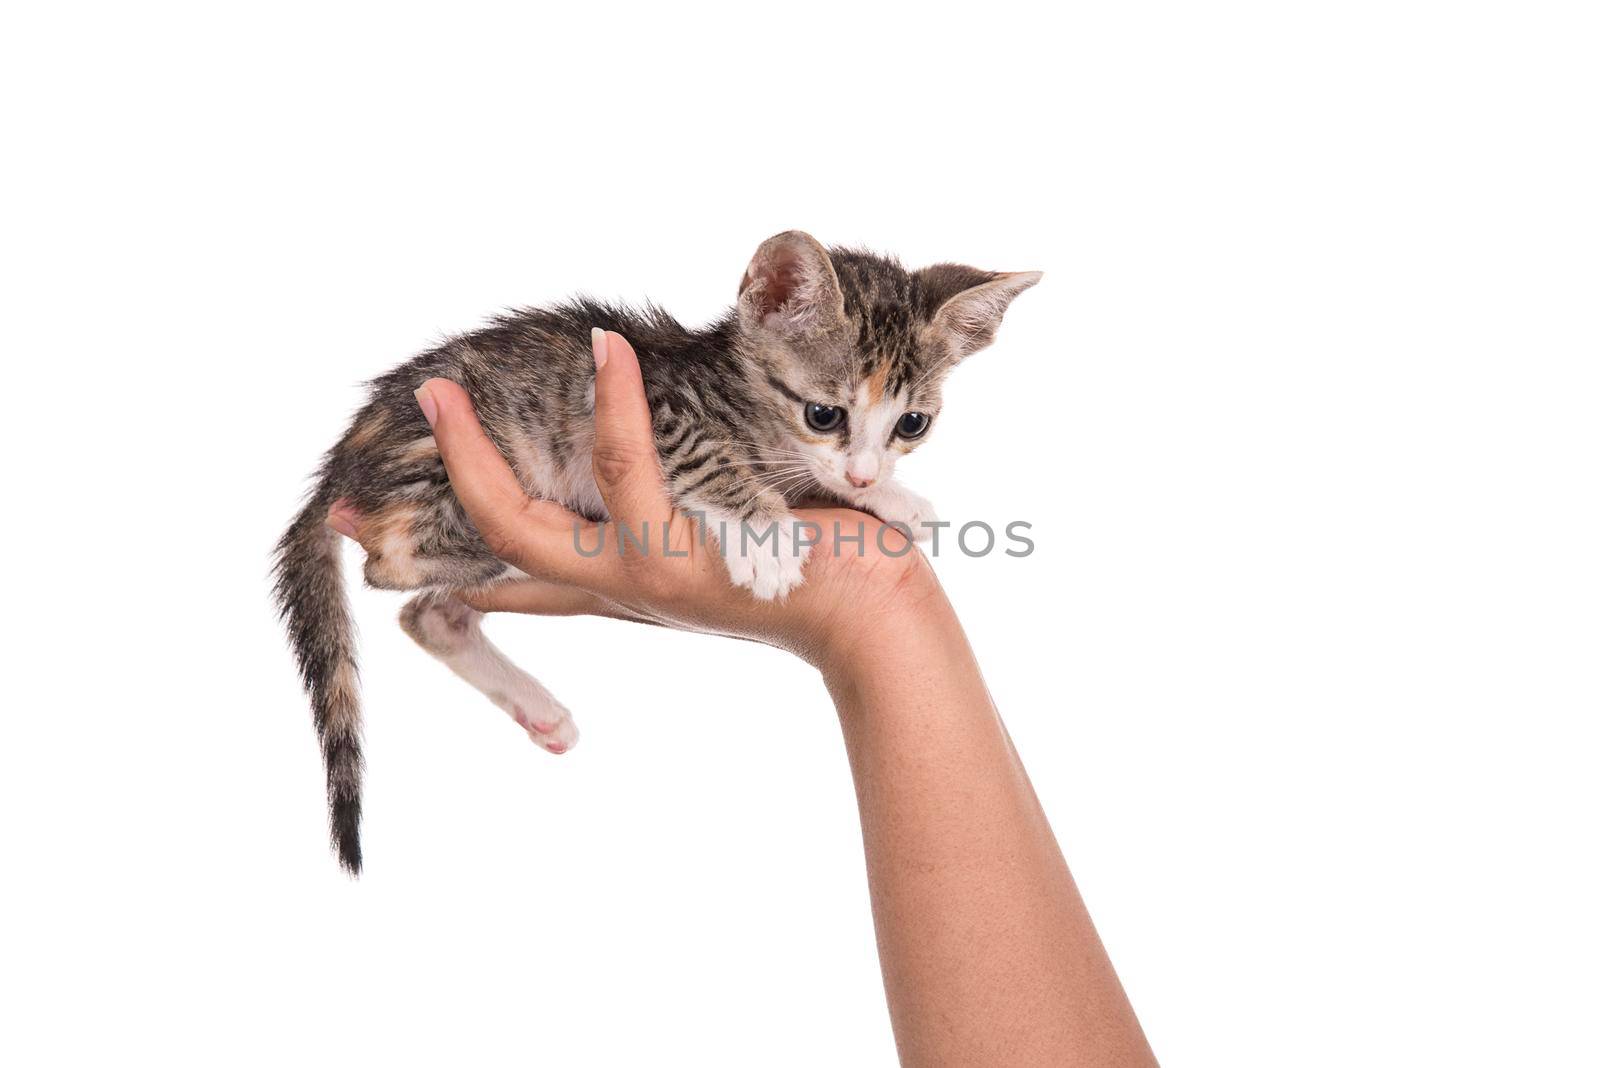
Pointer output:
824, 374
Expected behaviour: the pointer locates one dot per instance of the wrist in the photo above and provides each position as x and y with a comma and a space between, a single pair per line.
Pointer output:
908, 638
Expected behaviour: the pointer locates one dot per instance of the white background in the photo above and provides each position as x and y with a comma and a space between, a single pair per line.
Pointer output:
1304, 414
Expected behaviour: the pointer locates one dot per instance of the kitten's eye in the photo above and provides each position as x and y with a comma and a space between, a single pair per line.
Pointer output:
824, 417
912, 425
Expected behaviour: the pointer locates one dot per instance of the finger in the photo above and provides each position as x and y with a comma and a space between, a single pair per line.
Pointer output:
533, 597
626, 467
536, 536
537, 598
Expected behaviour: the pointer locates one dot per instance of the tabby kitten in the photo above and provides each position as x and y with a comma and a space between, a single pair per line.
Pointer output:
824, 374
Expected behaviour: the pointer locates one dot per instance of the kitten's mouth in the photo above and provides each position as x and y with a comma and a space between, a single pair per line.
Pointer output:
840, 486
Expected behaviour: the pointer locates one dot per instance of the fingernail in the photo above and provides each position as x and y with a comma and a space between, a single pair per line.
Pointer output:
430, 410
597, 338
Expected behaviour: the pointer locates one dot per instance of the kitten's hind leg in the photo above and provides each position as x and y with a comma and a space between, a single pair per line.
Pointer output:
452, 632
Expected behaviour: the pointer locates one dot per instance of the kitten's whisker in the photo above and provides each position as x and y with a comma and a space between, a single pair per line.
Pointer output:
772, 479
724, 463
749, 443
759, 448
775, 479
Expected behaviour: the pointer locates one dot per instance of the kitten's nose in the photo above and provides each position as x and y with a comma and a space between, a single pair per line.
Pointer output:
861, 469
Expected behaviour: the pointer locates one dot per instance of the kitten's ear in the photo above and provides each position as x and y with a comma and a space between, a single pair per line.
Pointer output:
969, 303
790, 287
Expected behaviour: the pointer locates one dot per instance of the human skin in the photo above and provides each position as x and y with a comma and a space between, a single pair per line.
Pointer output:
988, 954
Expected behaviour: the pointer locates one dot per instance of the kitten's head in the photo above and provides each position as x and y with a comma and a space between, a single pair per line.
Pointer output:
855, 348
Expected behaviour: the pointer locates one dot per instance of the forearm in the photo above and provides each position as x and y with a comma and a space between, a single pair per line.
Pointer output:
988, 954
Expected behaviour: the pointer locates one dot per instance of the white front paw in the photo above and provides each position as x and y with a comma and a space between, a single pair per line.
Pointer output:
776, 575
899, 506
768, 560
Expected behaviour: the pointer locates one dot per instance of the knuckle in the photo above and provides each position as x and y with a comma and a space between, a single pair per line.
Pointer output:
502, 534
615, 461
501, 542
905, 578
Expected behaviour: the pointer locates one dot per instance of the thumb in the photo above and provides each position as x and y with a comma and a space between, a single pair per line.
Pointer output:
626, 466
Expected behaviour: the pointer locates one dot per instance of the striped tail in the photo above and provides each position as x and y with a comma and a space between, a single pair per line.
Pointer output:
308, 585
